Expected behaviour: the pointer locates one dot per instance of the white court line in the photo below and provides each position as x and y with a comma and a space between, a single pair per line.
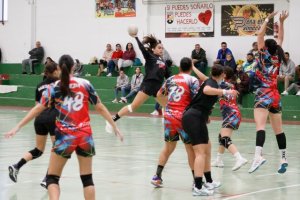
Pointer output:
261, 191
276, 174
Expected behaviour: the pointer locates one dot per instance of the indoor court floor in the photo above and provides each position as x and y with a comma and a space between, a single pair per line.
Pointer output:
124, 170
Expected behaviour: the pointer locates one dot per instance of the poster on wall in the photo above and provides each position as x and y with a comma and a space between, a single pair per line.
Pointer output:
189, 20
245, 20
115, 8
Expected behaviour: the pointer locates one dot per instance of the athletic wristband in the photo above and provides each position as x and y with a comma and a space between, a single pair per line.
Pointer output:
224, 92
267, 20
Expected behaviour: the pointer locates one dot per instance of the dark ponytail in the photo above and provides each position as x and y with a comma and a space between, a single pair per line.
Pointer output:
66, 63
280, 54
274, 48
217, 70
151, 42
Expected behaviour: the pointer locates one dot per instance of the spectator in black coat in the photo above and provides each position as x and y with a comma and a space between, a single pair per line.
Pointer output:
36, 55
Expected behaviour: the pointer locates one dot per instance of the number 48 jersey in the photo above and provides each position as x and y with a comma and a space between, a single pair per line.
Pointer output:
180, 88
73, 116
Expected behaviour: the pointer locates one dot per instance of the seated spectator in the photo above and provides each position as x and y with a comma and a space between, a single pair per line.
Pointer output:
242, 83
221, 57
230, 62
122, 85
106, 57
199, 58
78, 68
127, 57
286, 71
136, 82
117, 54
36, 55
294, 86
249, 68
254, 50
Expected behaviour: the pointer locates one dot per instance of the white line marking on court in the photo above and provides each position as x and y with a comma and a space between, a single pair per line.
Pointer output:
276, 174
261, 191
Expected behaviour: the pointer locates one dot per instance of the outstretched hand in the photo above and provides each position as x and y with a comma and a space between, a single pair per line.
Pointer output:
284, 14
11, 133
118, 134
234, 93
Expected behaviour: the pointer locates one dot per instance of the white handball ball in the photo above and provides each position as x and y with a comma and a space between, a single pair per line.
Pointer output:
133, 30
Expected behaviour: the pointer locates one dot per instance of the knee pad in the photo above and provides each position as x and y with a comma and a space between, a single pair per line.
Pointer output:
52, 179
35, 153
226, 141
87, 180
130, 108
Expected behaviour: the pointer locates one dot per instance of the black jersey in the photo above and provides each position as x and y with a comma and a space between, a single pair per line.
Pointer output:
41, 87
155, 67
203, 102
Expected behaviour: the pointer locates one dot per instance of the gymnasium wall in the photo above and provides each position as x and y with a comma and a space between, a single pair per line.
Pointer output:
71, 27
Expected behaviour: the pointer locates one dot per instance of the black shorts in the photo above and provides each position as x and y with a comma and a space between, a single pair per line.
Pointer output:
150, 87
194, 124
45, 123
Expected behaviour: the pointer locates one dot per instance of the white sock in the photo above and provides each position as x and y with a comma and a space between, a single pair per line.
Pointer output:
283, 154
219, 156
237, 155
258, 151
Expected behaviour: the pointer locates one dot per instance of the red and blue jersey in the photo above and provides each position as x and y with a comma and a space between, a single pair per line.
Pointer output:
181, 88
267, 70
227, 101
73, 117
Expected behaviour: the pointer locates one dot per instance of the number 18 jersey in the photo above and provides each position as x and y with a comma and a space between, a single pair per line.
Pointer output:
73, 116
180, 88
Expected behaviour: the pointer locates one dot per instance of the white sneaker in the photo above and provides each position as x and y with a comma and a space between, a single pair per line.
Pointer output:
283, 165
155, 113
298, 93
239, 163
13, 173
108, 127
217, 163
202, 192
109, 75
212, 185
123, 100
257, 162
115, 101
285, 93
105, 70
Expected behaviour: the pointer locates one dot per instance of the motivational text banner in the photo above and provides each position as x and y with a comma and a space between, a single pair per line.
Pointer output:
189, 20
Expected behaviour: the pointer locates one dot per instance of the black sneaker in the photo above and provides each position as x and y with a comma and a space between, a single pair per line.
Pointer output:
13, 173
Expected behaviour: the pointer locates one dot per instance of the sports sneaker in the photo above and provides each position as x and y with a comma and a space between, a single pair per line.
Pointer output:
217, 163
283, 165
212, 185
123, 100
285, 93
257, 162
109, 75
155, 113
202, 192
108, 127
157, 181
13, 173
298, 93
43, 183
115, 101
239, 163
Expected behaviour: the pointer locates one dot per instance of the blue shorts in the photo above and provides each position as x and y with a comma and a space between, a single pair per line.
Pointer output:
269, 99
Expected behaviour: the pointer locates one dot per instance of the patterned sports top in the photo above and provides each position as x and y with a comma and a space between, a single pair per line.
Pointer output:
227, 101
267, 70
73, 117
181, 88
